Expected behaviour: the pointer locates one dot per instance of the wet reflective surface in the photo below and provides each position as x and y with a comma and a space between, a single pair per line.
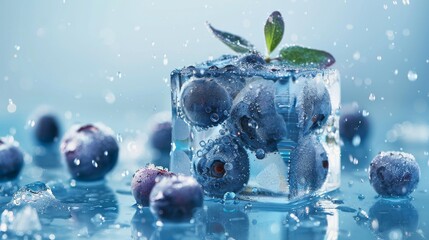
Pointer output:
66, 209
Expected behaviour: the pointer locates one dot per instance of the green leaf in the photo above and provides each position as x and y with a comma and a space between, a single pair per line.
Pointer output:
296, 55
236, 43
274, 29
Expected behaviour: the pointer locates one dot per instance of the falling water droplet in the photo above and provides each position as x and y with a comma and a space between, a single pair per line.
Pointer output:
371, 97
11, 107
412, 76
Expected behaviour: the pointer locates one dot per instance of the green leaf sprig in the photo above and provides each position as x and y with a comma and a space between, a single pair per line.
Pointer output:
274, 30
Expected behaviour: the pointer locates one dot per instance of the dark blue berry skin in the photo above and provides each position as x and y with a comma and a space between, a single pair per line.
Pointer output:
11, 160
144, 180
254, 118
313, 104
223, 168
160, 138
204, 102
353, 123
394, 174
393, 215
91, 151
252, 59
308, 167
46, 129
142, 224
176, 199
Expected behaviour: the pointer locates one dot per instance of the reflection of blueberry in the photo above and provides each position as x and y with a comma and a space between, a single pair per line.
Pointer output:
176, 198
234, 224
394, 174
143, 182
142, 225
204, 102
223, 168
90, 151
46, 129
160, 137
11, 160
306, 222
388, 216
254, 118
353, 123
313, 103
308, 168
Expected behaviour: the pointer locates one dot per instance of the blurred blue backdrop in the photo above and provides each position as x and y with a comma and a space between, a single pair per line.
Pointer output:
110, 60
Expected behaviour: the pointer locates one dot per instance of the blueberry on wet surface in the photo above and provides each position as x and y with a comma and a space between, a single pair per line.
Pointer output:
308, 167
160, 137
144, 180
11, 160
313, 103
176, 199
394, 174
353, 123
204, 102
254, 118
223, 168
46, 129
91, 151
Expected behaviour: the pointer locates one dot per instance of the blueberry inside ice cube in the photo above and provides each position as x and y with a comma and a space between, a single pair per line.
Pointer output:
254, 118
223, 168
205, 102
308, 167
313, 103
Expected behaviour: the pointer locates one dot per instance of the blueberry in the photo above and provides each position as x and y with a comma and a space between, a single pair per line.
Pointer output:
175, 199
204, 102
11, 160
313, 103
46, 129
252, 59
353, 123
254, 118
232, 83
387, 216
91, 151
160, 137
308, 168
223, 168
394, 174
144, 180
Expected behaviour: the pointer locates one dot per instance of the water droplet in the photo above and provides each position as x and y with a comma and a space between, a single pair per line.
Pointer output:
94, 163
17, 47
72, 183
356, 140
165, 60
379, 58
371, 97
260, 153
119, 138
11, 107
228, 166
396, 72
365, 113
412, 76
106, 153
361, 197
119, 74
76, 161
229, 198
356, 55
214, 117
110, 98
